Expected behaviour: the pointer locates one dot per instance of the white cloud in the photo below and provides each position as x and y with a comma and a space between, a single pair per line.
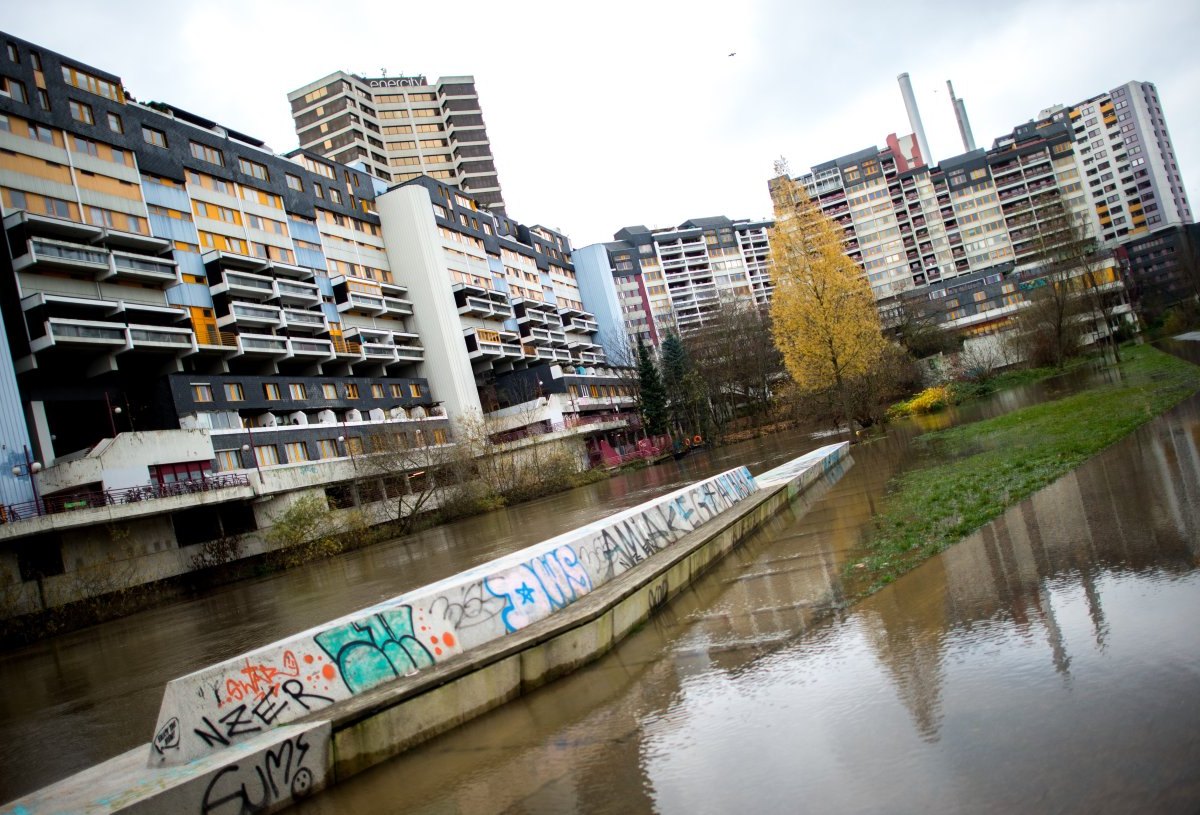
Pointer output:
634, 113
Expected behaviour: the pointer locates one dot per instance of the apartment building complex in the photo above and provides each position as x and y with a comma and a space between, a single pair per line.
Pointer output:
401, 128
674, 278
180, 304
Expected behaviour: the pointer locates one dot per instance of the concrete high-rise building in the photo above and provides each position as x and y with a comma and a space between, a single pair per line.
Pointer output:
1128, 164
674, 278
400, 128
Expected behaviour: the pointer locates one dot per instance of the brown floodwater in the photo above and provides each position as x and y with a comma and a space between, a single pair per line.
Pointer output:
1050, 662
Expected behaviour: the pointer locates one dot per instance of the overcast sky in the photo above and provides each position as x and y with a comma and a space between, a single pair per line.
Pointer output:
624, 113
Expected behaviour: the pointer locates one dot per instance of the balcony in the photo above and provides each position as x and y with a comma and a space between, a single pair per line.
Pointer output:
298, 319
244, 284
397, 307
291, 270
142, 269
295, 293
484, 343
477, 301
358, 302
83, 334
379, 351
408, 347
44, 253
257, 316
262, 345
305, 348
584, 324
232, 260
159, 338
556, 354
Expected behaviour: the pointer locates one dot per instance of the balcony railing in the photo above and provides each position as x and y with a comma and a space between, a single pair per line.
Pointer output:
55, 504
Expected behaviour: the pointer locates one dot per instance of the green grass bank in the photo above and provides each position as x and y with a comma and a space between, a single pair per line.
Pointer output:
979, 470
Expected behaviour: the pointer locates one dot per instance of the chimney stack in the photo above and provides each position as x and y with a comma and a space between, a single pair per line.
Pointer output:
960, 113
914, 118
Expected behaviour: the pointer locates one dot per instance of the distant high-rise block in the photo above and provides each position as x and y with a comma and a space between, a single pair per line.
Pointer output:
401, 127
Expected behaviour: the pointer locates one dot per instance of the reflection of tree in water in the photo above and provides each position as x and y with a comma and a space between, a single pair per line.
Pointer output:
906, 628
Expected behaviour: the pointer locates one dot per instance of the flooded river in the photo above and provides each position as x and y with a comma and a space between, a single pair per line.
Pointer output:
1051, 662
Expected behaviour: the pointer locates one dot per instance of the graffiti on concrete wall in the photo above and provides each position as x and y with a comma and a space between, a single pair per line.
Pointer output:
241, 698
286, 771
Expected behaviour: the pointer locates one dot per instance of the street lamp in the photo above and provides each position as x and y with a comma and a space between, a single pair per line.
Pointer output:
30, 468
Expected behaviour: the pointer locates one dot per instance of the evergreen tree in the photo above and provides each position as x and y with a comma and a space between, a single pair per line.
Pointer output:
675, 368
653, 398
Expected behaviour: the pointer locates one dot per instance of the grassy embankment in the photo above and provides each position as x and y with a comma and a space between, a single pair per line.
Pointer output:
983, 468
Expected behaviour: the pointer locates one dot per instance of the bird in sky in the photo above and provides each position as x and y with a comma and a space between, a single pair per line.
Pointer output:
733, 53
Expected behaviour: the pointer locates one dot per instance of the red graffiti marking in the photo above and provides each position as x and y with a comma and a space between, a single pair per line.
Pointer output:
259, 680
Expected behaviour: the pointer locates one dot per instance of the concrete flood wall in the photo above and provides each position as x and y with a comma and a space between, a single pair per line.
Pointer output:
362, 688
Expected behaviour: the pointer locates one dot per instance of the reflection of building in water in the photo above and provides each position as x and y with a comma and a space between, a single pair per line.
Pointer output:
1023, 564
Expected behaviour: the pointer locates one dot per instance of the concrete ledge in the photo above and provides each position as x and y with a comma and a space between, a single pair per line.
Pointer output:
265, 774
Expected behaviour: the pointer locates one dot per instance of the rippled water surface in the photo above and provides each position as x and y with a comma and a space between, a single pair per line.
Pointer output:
1051, 662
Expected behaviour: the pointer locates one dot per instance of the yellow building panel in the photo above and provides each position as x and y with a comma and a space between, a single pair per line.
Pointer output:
109, 186
36, 167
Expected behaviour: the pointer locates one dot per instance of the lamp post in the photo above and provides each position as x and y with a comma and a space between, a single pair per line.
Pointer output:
30, 468
250, 447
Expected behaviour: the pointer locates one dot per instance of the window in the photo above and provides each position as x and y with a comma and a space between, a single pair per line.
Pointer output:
81, 112
253, 168
327, 448
439, 436
354, 445
398, 391
297, 451
12, 89
205, 153
13, 54
92, 84
415, 390
377, 391
201, 392
271, 391
228, 460
294, 182
351, 390
43, 99
266, 455
329, 391
297, 390
114, 123
233, 392
154, 137
335, 196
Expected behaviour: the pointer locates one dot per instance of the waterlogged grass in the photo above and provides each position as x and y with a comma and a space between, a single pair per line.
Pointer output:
981, 469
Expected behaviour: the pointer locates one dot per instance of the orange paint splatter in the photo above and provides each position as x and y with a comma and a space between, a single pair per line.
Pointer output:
434, 640
308, 658
437, 651
328, 672
423, 628
448, 638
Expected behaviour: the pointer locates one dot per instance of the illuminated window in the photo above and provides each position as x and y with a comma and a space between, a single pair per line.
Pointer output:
271, 391
329, 391
201, 393
327, 448
414, 390
377, 391
233, 392
228, 460
266, 455
351, 390
297, 451
397, 391
297, 390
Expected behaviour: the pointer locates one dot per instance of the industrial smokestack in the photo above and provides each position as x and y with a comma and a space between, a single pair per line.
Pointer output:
914, 118
960, 113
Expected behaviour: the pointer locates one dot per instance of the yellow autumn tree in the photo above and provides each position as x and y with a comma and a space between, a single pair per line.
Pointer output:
824, 318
